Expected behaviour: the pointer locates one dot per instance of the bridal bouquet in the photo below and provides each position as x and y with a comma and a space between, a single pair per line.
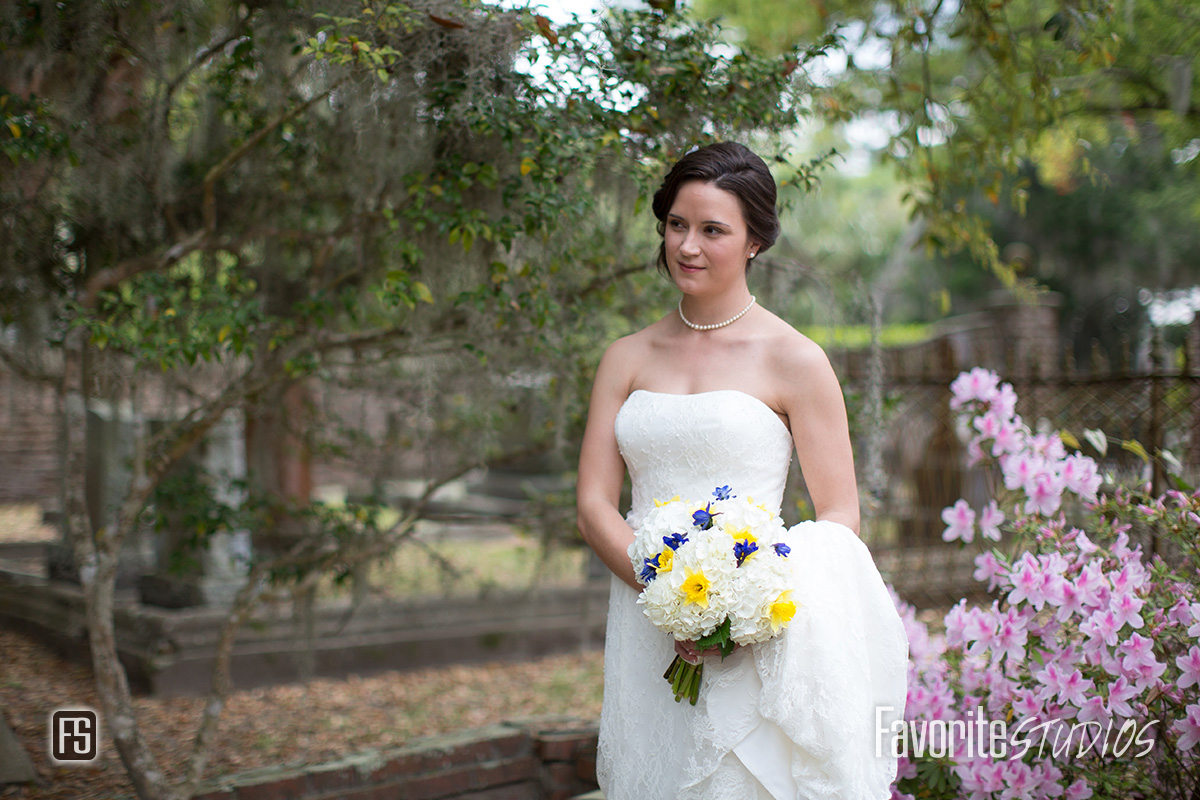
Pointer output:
716, 574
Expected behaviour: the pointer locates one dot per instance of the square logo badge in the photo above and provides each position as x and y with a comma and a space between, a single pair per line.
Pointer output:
74, 735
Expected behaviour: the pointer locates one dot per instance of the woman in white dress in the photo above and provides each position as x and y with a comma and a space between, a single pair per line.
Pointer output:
718, 393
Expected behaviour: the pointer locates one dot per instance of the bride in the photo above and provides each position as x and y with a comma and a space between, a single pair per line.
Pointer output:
717, 393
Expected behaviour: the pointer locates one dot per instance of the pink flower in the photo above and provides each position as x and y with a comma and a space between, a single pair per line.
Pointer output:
1019, 781
1189, 668
1053, 587
1072, 601
1138, 651
1084, 545
1051, 778
990, 520
1181, 612
1101, 628
988, 425
978, 384
1126, 607
1120, 692
1011, 637
1188, 728
1045, 493
960, 522
1093, 710
1079, 790
1004, 401
980, 632
1080, 475
1194, 630
1093, 583
1066, 685
988, 776
1026, 579
1009, 437
1020, 469
1026, 703
1132, 576
987, 568
974, 452
1074, 687
1139, 662
1120, 546
1048, 446
956, 621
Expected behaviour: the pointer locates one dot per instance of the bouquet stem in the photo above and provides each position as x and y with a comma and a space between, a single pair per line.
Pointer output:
684, 678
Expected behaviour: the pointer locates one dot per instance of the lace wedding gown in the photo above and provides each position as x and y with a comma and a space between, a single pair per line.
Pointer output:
796, 717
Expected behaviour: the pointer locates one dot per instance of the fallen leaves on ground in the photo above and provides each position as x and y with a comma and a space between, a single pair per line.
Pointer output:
322, 720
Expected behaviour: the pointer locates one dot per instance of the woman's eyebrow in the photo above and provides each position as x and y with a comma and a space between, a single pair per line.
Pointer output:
704, 222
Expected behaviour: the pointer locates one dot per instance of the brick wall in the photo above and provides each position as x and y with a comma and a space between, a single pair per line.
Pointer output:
28, 440
517, 761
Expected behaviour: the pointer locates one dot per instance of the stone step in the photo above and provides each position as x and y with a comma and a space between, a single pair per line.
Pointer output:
15, 766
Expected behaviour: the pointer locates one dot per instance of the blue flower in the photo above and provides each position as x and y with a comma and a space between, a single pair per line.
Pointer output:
743, 549
781, 549
675, 540
723, 493
704, 518
650, 570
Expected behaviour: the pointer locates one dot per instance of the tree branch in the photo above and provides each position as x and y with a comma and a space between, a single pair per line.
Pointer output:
225, 164
202, 57
598, 283
1192, 112
108, 278
27, 371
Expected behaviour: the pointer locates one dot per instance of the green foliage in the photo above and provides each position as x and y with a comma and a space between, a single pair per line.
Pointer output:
968, 91
935, 780
191, 312
26, 133
858, 337
190, 513
720, 638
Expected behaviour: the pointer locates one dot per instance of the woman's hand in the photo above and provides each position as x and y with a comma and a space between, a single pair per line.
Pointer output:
691, 654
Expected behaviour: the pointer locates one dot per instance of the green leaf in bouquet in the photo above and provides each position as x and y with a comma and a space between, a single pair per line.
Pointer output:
719, 638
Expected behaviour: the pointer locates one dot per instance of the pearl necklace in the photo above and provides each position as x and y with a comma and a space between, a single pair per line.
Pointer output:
715, 325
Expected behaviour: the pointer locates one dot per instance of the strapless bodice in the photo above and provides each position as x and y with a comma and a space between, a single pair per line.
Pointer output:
688, 444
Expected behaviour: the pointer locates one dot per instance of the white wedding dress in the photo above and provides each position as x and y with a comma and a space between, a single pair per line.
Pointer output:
797, 717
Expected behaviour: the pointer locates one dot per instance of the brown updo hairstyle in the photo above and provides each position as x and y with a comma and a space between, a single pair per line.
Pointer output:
734, 168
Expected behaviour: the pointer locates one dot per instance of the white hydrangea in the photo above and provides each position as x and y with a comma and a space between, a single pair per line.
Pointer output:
692, 578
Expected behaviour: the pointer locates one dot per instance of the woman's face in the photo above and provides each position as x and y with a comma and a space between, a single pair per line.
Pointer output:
706, 240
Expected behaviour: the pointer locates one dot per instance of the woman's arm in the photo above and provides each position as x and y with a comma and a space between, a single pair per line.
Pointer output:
816, 410
601, 468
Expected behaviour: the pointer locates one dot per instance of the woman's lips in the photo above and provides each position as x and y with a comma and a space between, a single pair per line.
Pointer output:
690, 267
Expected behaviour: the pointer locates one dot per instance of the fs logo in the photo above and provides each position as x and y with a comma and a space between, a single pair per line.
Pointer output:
74, 735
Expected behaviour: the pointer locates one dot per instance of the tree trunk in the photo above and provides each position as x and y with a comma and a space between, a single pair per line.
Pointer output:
96, 557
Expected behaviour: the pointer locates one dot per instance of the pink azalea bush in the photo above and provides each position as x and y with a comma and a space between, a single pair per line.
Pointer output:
1082, 678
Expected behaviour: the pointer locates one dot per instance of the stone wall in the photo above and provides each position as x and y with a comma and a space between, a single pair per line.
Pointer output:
535, 760
169, 652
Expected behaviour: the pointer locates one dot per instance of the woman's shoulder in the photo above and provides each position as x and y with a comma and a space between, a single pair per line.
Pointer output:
640, 342
624, 356
789, 348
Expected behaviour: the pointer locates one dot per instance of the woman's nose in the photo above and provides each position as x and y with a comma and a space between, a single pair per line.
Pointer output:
689, 243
